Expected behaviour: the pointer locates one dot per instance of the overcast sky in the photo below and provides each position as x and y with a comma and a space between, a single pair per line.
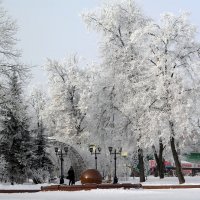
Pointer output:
53, 28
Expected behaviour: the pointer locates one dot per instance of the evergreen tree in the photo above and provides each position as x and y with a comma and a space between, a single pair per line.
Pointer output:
41, 165
41, 159
15, 142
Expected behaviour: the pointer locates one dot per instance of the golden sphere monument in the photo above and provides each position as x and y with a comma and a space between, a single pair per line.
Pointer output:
91, 176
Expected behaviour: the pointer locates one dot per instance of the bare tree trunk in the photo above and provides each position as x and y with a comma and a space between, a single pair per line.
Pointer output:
175, 156
161, 161
157, 163
141, 165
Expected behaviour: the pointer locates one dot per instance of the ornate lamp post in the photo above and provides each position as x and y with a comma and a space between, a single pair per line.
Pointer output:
115, 159
95, 151
60, 153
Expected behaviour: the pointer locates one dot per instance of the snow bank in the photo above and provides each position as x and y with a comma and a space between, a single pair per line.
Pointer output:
117, 194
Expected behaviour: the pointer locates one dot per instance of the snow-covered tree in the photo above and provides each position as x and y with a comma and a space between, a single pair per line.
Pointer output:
150, 75
9, 54
122, 74
66, 83
15, 136
38, 101
40, 158
3, 169
173, 54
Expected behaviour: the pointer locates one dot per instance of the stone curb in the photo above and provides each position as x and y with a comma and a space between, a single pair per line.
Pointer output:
19, 191
170, 186
89, 187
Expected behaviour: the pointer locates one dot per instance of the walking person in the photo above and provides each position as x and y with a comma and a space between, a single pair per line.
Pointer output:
71, 176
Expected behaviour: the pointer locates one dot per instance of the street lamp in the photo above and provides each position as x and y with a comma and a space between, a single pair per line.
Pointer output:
61, 154
115, 158
95, 151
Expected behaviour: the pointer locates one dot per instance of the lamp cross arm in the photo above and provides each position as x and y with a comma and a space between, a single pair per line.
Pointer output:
96, 153
118, 153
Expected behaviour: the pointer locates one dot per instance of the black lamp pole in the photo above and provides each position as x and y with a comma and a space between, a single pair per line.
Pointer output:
95, 156
61, 167
61, 154
115, 163
93, 150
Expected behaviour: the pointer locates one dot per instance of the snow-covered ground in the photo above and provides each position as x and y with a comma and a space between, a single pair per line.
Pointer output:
117, 194
150, 181
189, 180
25, 186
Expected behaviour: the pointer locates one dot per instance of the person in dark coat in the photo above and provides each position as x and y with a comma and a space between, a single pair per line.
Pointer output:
71, 176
